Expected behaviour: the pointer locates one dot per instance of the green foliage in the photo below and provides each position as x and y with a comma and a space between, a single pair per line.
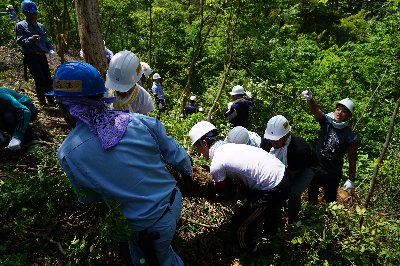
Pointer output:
331, 236
352, 28
336, 49
7, 30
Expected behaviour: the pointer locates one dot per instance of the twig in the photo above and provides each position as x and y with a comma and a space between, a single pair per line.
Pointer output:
369, 100
380, 159
201, 224
42, 142
58, 245
272, 89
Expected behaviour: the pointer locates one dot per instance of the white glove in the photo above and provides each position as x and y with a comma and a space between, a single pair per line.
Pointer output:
51, 55
15, 144
307, 95
201, 109
160, 106
229, 105
248, 94
81, 54
348, 185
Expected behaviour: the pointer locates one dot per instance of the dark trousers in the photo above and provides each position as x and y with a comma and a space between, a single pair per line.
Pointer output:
8, 122
262, 210
40, 71
329, 182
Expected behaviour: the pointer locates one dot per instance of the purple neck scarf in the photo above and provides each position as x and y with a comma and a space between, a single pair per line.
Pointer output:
108, 125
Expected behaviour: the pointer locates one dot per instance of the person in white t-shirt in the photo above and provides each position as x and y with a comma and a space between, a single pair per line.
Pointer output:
123, 74
264, 177
241, 135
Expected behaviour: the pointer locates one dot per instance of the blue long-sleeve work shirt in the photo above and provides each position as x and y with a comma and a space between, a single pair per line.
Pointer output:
24, 31
12, 15
158, 90
17, 103
133, 172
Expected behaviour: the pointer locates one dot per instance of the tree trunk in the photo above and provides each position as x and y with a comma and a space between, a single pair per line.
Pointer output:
229, 50
380, 160
198, 44
87, 14
151, 32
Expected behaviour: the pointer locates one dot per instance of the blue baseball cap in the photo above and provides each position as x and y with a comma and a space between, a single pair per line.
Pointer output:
29, 7
75, 79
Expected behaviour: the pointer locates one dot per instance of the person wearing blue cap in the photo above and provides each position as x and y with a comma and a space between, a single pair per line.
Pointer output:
121, 158
32, 37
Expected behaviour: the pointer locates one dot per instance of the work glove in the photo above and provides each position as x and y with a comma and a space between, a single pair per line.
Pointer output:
51, 55
307, 95
248, 94
15, 144
229, 105
201, 109
348, 185
160, 106
81, 54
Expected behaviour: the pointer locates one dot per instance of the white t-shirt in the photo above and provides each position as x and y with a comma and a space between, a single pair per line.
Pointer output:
141, 102
258, 169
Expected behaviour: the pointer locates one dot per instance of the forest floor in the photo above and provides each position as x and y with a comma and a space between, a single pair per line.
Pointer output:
202, 239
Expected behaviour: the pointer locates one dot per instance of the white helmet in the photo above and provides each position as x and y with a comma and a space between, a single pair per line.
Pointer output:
237, 90
199, 130
123, 72
146, 69
192, 98
277, 127
348, 104
156, 76
238, 135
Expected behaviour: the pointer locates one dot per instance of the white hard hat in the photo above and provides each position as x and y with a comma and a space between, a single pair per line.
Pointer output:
277, 127
192, 98
146, 69
237, 90
199, 130
156, 76
9, 7
348, 104
238, 135
123, 72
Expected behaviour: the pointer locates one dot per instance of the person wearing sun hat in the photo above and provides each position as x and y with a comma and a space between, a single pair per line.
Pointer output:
336, 139
121, 158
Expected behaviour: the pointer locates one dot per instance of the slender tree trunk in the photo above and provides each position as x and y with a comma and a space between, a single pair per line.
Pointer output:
380, 160
228, 62
62, 31
198, 44
87, 14
150, 33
